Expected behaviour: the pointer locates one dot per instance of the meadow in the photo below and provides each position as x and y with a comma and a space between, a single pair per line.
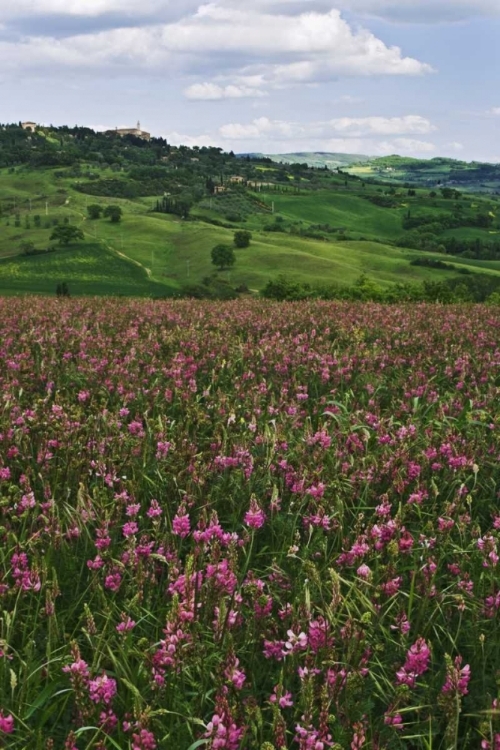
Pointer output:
248, 525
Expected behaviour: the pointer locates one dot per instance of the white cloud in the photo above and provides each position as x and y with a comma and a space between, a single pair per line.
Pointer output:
423, 11
403, 10
95, 8
274, 49
382, 125
495, 111
454, 146
348, 126
180, 139
347, 146
260, 127
404, 146
212, 92
361, 135
348, 99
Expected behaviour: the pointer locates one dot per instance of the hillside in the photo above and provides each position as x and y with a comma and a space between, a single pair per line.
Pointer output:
313, 225
437, 172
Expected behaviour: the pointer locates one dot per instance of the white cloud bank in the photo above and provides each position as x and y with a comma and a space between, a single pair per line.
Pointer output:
357, 135
213, 92
423, 11
244, 51
348, 126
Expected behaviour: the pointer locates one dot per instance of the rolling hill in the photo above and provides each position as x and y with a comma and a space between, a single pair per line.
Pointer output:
319, 159
479, 177
315, 226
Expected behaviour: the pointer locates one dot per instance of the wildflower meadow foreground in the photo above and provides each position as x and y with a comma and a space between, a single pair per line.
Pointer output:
249, 526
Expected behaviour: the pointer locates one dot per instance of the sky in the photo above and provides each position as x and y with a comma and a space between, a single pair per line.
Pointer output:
412, 77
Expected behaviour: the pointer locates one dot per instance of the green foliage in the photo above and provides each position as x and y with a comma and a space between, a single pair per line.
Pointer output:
62, 289
212, 287
27, 248
94, 211
114, 213
223, 256
432, 263
242, 238
472, 288
66, 234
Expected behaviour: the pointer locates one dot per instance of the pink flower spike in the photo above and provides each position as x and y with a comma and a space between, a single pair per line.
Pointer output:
255, 516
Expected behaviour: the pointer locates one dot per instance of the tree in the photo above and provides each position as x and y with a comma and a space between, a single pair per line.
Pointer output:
62, 290
114, 213
66, 234
94, 211
223, 256
242, 238
27, 248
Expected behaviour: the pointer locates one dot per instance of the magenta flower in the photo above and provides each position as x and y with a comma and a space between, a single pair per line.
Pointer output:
181, 525
417, 662
364, 571
457, 678
154, 509
6, 723
130, 528
102, 689
394, 720
126, 624
143, 740
283, 699
255, 516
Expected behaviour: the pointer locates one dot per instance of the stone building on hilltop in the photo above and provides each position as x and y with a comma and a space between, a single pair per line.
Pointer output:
137, 132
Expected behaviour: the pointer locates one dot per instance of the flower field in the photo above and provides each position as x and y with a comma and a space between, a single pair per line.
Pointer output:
249, 526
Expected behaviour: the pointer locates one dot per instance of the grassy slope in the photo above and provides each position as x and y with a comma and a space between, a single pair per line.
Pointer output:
165, 252
88, 268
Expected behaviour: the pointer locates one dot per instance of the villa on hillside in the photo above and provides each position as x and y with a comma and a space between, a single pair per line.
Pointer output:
31, 126
137, 132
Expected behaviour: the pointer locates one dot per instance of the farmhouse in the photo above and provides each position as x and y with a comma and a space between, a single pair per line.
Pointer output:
237, 179
219, 189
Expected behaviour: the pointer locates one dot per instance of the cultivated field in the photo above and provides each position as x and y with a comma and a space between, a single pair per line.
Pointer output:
248, 526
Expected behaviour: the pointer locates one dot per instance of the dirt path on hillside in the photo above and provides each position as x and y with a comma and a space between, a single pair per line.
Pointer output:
110, 247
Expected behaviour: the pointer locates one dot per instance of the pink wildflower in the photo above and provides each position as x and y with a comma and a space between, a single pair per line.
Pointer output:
417, 662
394, 720
181, 525
364, 572
130, 528
6, 723
457, 678
125, 625
154, 509
284, 699
102, 689
255, 516
143, 740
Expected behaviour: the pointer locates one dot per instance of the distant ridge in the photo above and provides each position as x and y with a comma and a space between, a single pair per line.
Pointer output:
440, 171
316, 158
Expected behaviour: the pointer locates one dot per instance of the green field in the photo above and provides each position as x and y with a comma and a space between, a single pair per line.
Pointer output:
150, 253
